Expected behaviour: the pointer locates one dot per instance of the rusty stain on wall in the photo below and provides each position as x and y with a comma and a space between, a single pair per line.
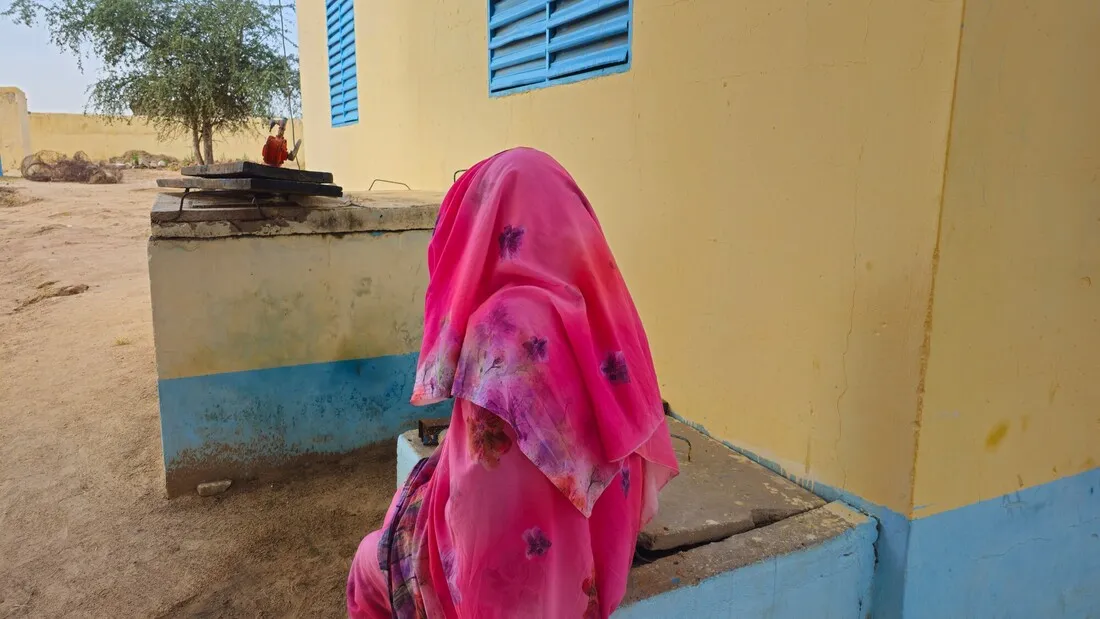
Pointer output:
995, 436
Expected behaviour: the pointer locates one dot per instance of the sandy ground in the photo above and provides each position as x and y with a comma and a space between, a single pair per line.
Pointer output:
85, 530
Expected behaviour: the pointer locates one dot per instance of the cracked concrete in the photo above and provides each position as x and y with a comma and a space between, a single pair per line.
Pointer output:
718, 493
207, 216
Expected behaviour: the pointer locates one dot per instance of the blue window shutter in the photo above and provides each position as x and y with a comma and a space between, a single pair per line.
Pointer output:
342, 80
535, 43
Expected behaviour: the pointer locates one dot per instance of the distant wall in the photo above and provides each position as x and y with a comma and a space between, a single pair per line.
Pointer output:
101, 138
15, 139
23, 132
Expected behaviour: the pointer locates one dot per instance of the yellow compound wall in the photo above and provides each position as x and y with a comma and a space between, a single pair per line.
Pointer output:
23, 132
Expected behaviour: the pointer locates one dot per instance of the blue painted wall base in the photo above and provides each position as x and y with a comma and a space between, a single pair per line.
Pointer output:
236, 424
1032, 553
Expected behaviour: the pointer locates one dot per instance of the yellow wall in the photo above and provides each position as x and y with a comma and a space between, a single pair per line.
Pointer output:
100, 139
285, 300
1012, 387
15, 140
769, 176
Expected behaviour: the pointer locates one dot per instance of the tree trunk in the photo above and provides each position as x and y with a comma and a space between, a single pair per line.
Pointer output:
208, 143
196, 145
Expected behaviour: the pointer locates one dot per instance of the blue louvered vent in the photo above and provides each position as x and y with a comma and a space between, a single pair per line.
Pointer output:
343, 87
536, 43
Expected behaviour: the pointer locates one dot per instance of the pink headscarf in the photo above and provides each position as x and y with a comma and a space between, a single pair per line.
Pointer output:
527, 316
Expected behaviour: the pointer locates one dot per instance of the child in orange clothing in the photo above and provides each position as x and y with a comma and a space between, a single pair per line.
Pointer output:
275, 152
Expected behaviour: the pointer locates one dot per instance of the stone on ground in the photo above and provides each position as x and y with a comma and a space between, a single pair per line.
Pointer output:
211, 488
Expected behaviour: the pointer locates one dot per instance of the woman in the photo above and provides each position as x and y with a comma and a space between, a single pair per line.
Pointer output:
557, 446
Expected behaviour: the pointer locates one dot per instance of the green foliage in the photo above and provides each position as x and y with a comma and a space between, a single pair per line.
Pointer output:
190, 66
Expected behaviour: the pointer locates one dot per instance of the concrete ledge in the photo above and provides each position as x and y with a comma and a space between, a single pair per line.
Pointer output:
209, 215
718, 493
817, 564
813, 560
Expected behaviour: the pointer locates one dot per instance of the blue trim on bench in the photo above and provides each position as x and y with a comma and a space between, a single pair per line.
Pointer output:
830, 580
271, 415
888, 589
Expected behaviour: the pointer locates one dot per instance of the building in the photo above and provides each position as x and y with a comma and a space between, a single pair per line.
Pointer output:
863, 237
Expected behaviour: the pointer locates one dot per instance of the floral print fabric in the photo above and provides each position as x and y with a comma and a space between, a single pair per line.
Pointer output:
484, 534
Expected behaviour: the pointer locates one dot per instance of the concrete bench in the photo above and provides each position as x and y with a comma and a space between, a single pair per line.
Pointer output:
286, 332
734, 539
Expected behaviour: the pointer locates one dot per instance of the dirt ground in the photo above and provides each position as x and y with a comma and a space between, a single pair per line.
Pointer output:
85, 529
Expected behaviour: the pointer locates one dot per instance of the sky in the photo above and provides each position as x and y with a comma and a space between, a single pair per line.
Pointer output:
49, 76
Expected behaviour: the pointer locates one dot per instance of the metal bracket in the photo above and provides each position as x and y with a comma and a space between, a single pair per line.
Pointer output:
179, 212
429, 430
382, 180
259, 207
682, 438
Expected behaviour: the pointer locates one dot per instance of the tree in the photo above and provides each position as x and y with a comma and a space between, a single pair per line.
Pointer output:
195, 67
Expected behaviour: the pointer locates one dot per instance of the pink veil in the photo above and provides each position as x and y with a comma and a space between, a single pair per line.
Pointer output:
527, 316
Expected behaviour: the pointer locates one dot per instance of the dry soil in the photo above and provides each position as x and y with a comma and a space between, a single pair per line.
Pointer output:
85, 528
